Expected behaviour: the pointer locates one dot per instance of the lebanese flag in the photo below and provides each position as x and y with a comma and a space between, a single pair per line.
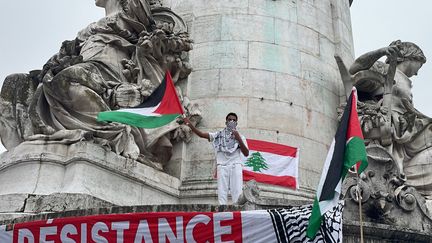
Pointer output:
347, 149
160, 108
271, 163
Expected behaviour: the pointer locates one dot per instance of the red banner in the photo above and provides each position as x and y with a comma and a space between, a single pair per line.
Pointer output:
279, 225
137, 227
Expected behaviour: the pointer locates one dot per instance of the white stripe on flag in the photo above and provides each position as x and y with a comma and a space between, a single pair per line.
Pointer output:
278, 165
148, 111
257, 226
329, 204
325, 168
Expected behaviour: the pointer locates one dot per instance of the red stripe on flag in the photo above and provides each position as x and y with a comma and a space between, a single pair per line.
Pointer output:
286, 181
170, 103
354, 129
273, 148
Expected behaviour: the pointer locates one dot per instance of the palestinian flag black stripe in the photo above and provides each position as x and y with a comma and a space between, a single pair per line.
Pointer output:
156, 97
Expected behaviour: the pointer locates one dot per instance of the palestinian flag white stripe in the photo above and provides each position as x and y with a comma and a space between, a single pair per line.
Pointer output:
328, 204
148, 111
271, 163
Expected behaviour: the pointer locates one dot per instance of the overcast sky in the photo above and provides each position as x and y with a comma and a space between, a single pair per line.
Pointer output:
32, 31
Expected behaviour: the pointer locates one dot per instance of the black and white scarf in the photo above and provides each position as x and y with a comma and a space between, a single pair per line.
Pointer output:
224, 141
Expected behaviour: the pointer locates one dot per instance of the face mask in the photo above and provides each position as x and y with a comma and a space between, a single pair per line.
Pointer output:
231, 125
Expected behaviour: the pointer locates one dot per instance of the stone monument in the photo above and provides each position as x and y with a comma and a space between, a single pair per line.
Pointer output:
271, 62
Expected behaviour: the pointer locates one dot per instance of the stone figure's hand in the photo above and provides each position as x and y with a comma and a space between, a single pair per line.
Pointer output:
392, 52
384, 110
145, 45
128, 95
183, 133
367, 124
146, 87
403, 124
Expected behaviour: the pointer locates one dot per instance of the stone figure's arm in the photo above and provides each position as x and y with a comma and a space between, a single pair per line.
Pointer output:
196, 130
366, 60
85, 33
345, 75
244, 149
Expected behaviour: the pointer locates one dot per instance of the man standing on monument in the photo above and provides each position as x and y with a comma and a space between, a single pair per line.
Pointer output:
228, 144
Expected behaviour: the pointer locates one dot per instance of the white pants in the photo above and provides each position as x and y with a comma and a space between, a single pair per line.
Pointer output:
229, 178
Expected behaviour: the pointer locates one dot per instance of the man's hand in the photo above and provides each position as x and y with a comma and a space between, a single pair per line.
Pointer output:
243, 148
236, 135
186, 121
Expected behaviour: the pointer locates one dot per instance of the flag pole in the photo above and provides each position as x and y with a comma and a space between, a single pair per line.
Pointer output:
359, 198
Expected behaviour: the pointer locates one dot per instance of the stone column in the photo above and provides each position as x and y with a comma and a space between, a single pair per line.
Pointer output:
271, 62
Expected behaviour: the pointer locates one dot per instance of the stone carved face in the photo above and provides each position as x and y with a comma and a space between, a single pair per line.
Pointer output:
112, 6
101, 3
410, 67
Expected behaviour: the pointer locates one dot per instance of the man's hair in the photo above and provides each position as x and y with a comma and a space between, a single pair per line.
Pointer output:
231, 114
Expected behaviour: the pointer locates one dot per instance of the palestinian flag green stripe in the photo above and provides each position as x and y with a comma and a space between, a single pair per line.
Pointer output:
355, 151
314, 220
137, 120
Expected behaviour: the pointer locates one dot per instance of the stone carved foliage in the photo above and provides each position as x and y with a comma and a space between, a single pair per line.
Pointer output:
384, 195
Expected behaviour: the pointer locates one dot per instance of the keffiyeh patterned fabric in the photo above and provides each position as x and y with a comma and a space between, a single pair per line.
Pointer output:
224, 141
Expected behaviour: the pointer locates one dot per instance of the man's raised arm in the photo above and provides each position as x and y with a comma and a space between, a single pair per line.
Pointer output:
195, 130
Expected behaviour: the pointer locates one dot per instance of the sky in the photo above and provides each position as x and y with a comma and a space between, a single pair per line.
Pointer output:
32, 31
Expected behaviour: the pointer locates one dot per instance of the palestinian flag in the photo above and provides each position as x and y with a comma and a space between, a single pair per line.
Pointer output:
271, 163
346, 150
160, 108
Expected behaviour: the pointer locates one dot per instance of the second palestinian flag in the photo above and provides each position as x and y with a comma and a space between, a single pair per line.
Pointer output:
346, 150
160, 108
271, 163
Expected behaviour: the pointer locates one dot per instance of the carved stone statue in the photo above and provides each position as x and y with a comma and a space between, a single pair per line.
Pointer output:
113, 63
398, 137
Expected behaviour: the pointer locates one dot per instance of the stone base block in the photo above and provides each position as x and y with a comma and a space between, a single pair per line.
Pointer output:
84, 173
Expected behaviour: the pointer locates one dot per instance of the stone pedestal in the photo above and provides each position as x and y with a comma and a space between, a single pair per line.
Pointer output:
56, 177
375, 232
